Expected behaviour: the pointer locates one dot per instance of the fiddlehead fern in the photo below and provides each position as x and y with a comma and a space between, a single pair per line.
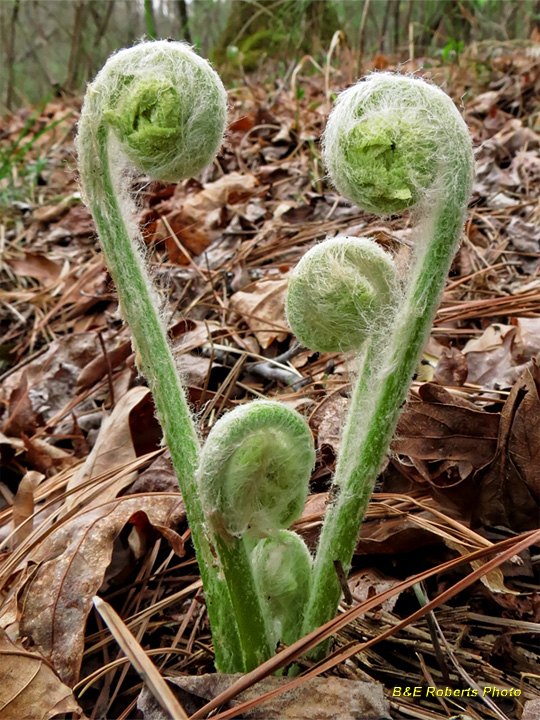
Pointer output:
282, 567
392, 142
255, 468
253, 478
160, 106
339, 291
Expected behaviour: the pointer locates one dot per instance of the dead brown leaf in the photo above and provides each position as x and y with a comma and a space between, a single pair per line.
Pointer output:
230, 189
52, 376
436, 427
114, 448
498, 357
263, 309
72, 562
37, 266
29, 687
364, 585
510, 488
78, 221
195, 223
21, 419
524, 443
23, 503
317, 698
159, 477
97, 367
452, 368
327, 420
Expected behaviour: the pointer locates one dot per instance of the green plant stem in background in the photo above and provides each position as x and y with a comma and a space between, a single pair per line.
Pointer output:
384, 380
106, 195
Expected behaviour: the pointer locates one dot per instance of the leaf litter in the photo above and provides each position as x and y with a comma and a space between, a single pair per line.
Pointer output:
88, 501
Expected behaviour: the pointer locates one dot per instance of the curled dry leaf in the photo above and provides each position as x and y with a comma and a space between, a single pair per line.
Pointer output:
23, 503
438, 427
498, 357
263, 309
21, 418
318, 698
113, 449
510, 488
52, 377
195, 224
29, 687
72, 562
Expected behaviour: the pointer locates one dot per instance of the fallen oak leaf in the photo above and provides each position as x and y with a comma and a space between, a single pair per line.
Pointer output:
72, 562
329, 698
29, 687
438, 427
509, 490
263, 309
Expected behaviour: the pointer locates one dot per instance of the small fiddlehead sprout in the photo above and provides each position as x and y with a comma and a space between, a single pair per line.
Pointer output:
255, 469
339, 291
161, 107
282, 567
392, 142
253, 478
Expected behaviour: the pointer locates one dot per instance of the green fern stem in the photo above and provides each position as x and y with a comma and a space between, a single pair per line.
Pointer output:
102, 167
392, 354
253, 478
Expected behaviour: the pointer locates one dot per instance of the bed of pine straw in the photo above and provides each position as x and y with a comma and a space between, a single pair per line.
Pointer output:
90, 504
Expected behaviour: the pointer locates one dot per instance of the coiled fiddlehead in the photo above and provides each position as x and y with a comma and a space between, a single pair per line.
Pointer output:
255, 468
392, 142
160, 106
339, 292
282, 567
253, 478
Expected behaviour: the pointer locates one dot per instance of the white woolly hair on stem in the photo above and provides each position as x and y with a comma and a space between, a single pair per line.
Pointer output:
392, 143
160, 109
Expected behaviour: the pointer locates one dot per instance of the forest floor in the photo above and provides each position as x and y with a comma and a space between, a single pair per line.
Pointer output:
89, 503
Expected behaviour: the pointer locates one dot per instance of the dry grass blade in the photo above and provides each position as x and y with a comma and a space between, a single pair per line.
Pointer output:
505, 550
140, 660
